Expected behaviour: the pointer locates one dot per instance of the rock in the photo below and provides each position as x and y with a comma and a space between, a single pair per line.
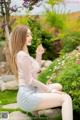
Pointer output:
11, 85
3, 68
8, 82
7, 78
51, 113
1, 82
42, 63
43, 68
11, 106
18, 116
47, 63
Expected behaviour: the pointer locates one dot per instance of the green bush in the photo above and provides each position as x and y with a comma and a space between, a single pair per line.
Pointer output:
47, 42
70, 42
69, 77
40, 36
36, 34
55, 20
66, 71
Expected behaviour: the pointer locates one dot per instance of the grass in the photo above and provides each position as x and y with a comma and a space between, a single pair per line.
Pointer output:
10, 110
8, 96
44, 117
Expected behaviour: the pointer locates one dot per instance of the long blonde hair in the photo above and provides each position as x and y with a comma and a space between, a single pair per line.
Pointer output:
17, 41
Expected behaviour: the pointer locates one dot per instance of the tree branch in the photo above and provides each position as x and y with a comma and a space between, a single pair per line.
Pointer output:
7, 34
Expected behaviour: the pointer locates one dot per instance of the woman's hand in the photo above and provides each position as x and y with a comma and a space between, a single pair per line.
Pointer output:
40, 50
56, 91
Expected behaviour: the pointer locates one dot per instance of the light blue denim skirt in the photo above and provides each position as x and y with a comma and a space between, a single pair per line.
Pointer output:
27, 98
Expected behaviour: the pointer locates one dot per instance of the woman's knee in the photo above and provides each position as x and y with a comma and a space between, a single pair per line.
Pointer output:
56, 86
59, 86
67, 97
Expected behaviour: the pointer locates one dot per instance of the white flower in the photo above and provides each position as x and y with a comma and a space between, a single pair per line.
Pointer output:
50, 69
59, 63
55, 67
47, 77
58, 60
63, 62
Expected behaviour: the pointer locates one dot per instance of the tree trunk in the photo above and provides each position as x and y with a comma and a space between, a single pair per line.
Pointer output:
6, 48
6, 24
7, 56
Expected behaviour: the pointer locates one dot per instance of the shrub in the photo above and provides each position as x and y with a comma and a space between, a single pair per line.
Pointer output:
36, 34
66, 71
55, 20
40, 36
70, 42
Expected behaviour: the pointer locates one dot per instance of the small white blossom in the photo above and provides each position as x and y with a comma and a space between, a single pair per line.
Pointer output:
50, 69
47, 77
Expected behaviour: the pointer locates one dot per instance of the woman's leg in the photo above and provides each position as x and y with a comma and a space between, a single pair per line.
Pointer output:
56, 86
50, 100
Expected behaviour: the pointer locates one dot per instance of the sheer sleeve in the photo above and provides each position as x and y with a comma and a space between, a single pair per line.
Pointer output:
24, 67
24, 63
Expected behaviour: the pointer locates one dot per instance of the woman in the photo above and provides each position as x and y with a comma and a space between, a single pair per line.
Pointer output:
34, 95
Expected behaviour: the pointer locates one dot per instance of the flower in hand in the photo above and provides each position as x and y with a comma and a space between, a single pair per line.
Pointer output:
40, 49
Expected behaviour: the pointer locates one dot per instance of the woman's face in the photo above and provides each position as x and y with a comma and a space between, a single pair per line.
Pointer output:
28, 38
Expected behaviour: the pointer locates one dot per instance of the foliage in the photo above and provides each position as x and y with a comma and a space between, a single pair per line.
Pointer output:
53, 2
43, 117
36, 34
21, 20
5, 5
66, 71
6, 9
8, 96
73, 22
2, 38
40, 36
47, 42
55, 19
70, 41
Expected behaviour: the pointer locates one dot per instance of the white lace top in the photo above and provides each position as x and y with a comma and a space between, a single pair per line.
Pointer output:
27, 68
27, 71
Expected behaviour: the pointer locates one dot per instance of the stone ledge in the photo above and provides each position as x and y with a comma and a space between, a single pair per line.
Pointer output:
11, 106
17, 115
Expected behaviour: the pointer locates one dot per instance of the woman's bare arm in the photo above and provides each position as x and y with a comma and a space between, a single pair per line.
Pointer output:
39, 58
39, 52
